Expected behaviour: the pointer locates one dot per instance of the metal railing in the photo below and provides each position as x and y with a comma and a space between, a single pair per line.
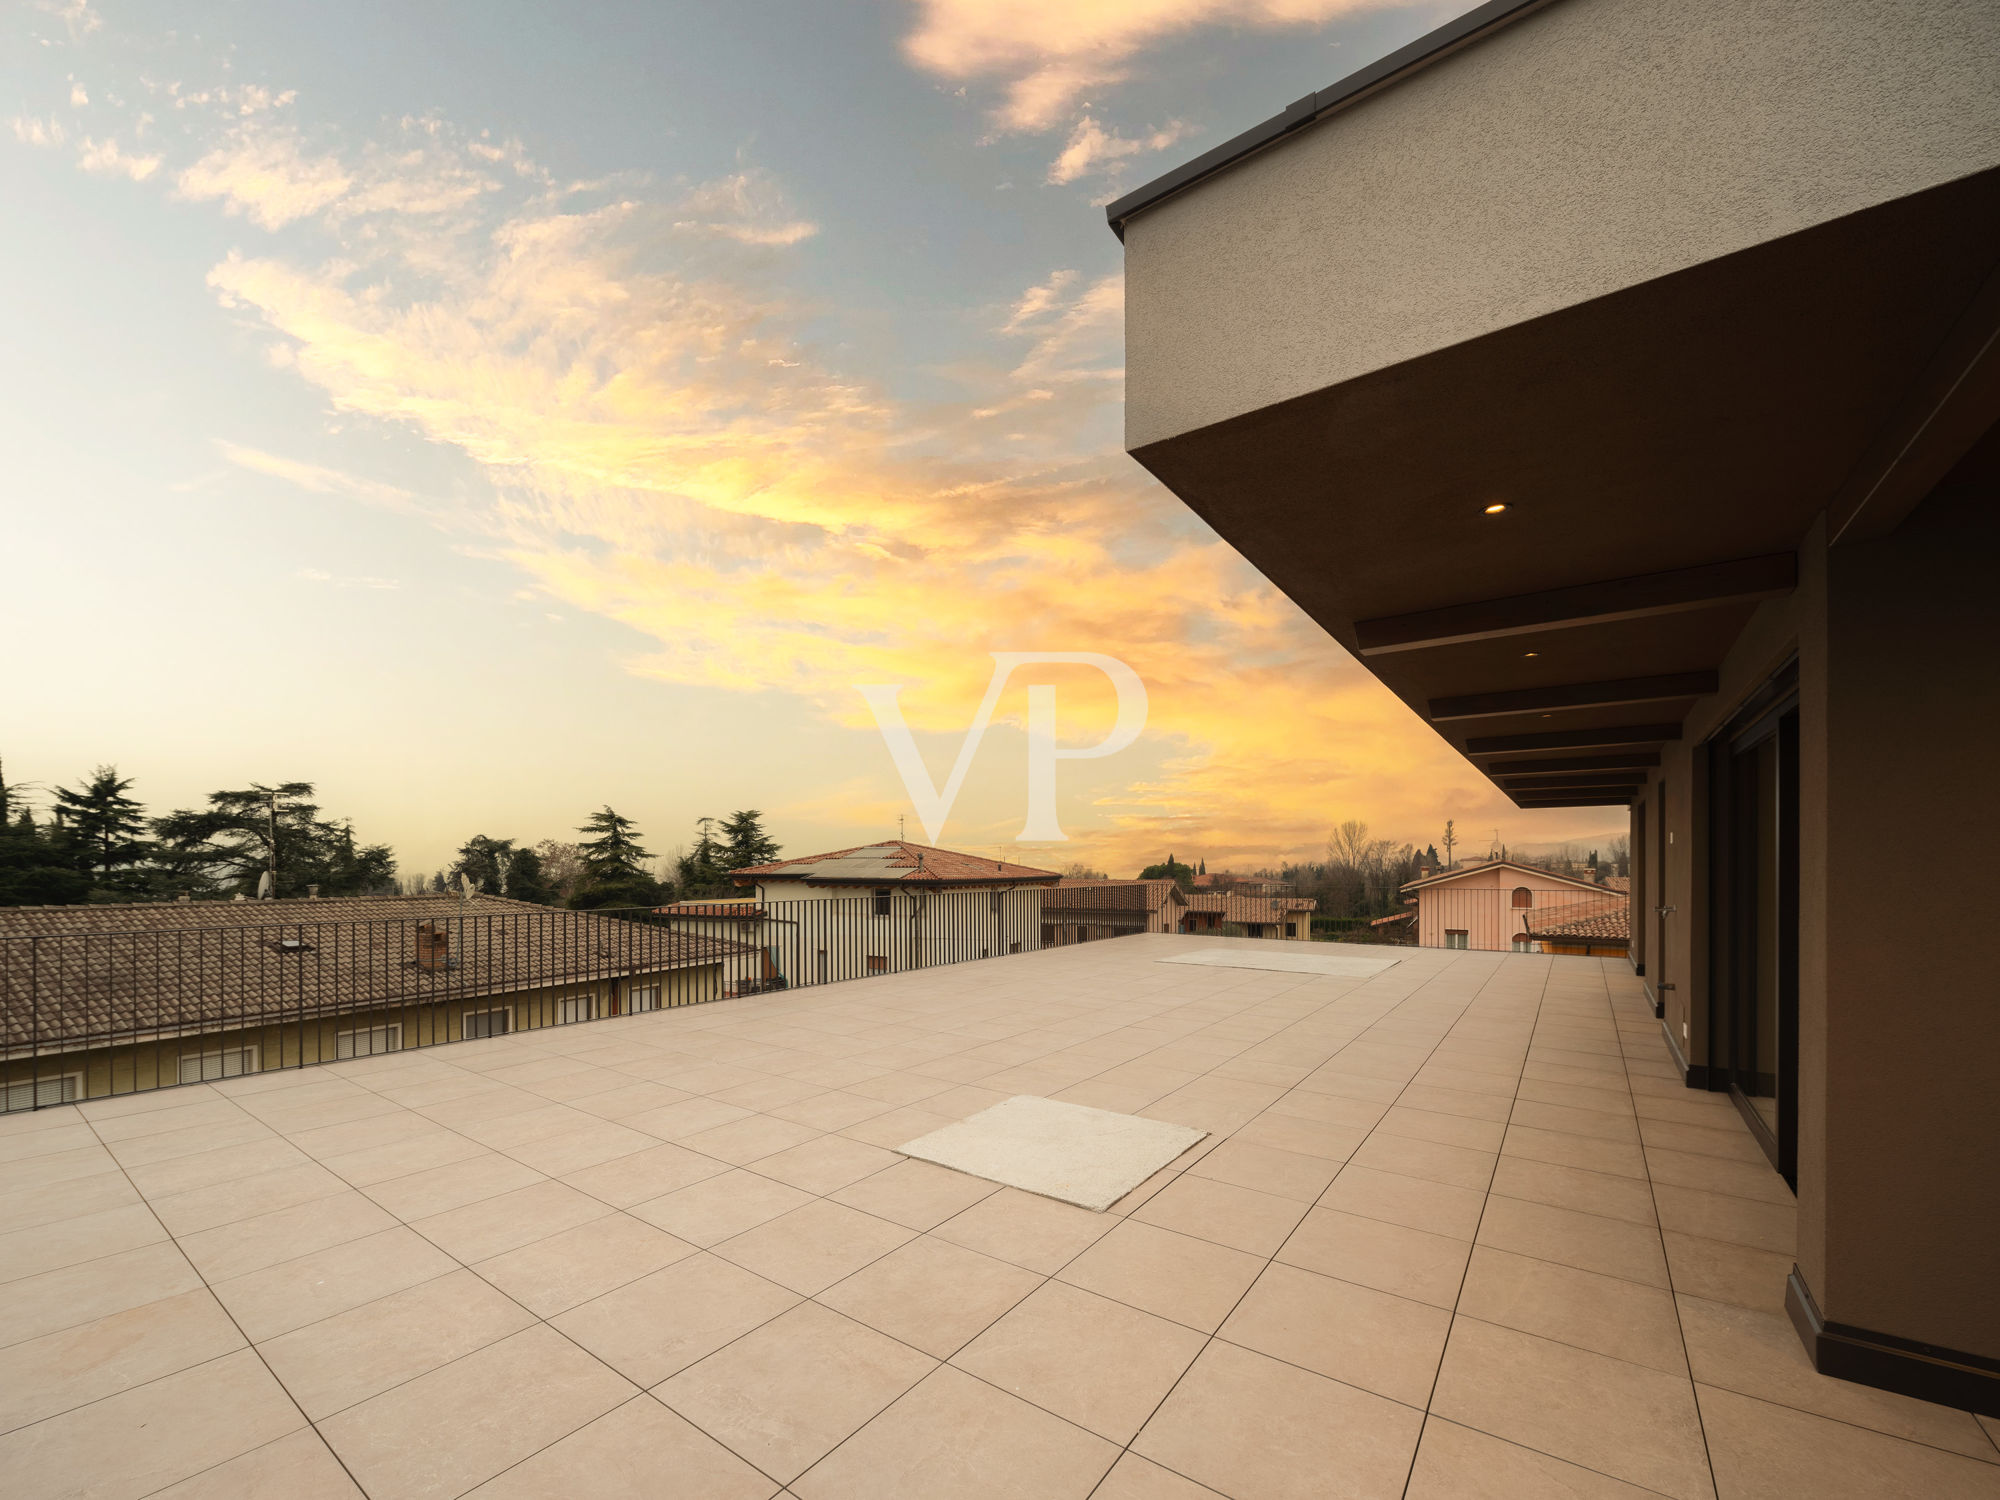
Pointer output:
118, 1000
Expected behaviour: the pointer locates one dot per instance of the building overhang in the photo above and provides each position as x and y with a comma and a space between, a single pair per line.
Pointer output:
1539, 488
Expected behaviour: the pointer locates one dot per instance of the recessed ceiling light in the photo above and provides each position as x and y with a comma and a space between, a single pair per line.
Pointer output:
1495, 508
1531, 653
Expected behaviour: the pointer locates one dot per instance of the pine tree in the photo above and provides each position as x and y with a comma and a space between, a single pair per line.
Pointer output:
525, 878
226, 848
702, 871
615, 872
104, 823
32, 870
483, 861
744, 841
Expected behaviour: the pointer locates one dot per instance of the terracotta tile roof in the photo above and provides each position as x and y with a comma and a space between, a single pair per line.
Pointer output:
897, 860
1484, 865
745, 906
1074, 892
1611, 925
70, 973
1251, 908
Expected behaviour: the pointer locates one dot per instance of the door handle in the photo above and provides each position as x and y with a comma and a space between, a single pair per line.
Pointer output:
1666, 911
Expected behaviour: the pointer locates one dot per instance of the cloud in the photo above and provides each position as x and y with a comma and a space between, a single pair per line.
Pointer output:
268, 178
321, 481
320, 575
106, 158
77, 15
747, 207
31, 130
1047, 55
78, 95
1092, 149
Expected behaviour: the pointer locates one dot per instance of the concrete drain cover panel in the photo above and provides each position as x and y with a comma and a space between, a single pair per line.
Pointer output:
1089, 1157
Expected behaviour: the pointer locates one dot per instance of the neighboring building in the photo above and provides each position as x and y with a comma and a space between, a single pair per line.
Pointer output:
743, 920
1226, 882
1620, 383
1288, 917
109, 999
886, 907
1601, 934
1493, 905
1078, 910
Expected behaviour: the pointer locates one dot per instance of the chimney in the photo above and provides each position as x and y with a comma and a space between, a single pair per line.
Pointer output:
312, 893
433, 947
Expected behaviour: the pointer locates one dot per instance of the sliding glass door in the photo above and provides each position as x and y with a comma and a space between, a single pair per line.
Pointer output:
1753, 781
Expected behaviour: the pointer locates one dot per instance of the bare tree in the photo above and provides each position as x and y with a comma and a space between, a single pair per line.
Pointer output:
563, 869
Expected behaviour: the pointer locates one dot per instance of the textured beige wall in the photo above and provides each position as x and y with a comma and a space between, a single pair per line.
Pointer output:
1594, 145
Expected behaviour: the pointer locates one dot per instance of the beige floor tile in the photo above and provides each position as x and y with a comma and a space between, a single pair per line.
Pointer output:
1758, 1354
1374, 1253
1259, 1429
1444, 1129
1737, 1221
957, 1436
1136, 1478
1760, 1449
1742, 1179
1620, 1158
1456, 1166
784, 1394
629, 1454
630, 1099
1314, 1138
660, 1324
915, 1194
294, 1293
1288, 1174
79, 1196
57, 1372
378, 1164
1330, 1109
1563, 1119
1631, 1422
1436, 1207
931, 1294
598, 1142
898, 1127
298, 1466
1456, 1102
570, 1267
168, 1175
1025, 1229
1589, 1242
461, 1424
330, 1365
494, 1226
750, 1139
1172, 1275
675, 1122
1098, 1363
1456, 1463
897, 1090
1241, 1218
1602, 1313
721, 1207
826, 1164
832, 1109
811, 1248
764, 1094
1603, 1193
1386, 1344
658, 1170
453, 1185
151, 1436
74, 1295
1723, 1272
231, 1250
1732, 1142
245, 1198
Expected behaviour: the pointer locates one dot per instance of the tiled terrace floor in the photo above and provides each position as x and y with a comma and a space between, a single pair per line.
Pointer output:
1459, 1232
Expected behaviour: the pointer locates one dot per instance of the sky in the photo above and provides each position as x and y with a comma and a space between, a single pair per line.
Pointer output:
490, 411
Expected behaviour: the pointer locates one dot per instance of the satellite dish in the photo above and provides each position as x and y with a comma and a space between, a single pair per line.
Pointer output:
266, 886
464, 886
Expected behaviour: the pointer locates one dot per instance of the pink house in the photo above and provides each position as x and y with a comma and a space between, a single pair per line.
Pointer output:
1494, 906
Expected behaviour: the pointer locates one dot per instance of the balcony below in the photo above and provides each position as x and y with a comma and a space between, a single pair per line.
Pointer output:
1458, 1230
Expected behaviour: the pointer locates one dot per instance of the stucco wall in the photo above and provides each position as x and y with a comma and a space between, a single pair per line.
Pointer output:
1593, 145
